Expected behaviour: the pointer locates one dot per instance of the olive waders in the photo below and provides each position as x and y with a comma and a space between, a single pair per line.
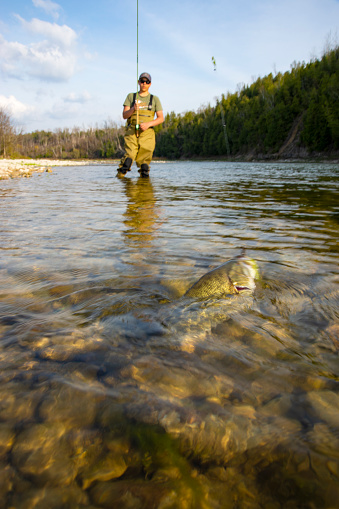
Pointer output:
139, 145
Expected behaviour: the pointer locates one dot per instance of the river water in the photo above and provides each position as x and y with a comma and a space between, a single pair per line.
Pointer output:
115, 392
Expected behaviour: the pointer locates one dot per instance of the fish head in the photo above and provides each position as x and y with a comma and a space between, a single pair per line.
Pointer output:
243, 273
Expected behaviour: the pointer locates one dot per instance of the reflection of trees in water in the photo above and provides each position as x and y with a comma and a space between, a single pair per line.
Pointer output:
142, 212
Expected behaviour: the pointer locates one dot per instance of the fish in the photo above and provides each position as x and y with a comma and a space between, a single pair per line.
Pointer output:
236, 276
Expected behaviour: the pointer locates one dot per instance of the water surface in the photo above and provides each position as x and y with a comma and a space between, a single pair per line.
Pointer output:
115, 392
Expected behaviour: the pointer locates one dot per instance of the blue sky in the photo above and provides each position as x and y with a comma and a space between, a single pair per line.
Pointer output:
71, 63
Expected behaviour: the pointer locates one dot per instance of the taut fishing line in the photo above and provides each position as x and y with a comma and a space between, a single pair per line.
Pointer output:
137, 96
223, 121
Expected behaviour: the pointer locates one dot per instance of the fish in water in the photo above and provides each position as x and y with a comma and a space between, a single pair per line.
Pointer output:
233, 277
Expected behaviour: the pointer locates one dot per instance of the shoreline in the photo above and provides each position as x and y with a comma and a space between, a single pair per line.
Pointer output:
13, 168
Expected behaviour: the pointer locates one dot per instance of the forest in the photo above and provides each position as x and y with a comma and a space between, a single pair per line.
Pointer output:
295, 114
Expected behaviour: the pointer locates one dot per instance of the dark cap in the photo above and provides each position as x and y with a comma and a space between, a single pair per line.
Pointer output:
145, 75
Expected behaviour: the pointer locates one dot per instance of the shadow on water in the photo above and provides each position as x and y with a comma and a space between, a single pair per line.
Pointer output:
116, 391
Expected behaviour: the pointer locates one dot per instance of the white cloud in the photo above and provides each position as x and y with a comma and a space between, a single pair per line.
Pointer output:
40, 60
52, 59
16, 108
48, 6
62, 35
78, 98
50, 63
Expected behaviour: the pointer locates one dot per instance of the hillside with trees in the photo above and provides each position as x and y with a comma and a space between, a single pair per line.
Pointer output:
291, 114
295, 114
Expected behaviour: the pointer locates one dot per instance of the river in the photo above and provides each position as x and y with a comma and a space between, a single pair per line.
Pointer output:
116, 392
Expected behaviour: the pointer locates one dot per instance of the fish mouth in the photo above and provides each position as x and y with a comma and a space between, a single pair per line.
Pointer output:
241, 288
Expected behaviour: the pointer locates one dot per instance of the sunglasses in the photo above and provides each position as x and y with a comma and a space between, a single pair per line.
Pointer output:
145, 81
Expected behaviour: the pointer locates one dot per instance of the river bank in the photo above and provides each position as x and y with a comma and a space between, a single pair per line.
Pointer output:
13, 168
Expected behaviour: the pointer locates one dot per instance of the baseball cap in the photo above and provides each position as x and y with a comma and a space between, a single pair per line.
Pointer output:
145, 75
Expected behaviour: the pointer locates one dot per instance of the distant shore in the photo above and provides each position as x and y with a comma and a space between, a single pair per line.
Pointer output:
12, 168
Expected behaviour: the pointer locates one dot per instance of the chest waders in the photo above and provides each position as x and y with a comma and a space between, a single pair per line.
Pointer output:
139, 145
143, 115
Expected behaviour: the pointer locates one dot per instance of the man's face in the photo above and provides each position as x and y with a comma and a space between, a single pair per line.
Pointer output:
144, 84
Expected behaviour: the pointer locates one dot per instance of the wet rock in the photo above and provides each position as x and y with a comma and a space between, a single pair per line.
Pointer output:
68, 347
16, 403
71, 406
86, 445
10, 358
107, 465
7, 435
333, 467
7, 477
278, 406
325, 405
324, 441
42, 453
270, 432
127, 494
169, 379
111, 410
70, 497
270, 384
216, 439
134, 494
333, 333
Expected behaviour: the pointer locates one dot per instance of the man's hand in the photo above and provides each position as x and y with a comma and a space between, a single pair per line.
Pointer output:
144, 126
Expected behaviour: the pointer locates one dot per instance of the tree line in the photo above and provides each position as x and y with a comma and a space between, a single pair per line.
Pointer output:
106, 141
298, 109
301, 105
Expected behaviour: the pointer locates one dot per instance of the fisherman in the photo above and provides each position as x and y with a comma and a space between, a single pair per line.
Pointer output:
140, 140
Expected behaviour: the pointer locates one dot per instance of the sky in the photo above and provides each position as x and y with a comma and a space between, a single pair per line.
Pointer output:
66, 64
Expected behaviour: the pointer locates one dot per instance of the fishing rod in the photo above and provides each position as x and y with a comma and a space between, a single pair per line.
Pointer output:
137, 127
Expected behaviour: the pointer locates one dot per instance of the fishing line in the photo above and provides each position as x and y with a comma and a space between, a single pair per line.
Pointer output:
137, 96
223, 121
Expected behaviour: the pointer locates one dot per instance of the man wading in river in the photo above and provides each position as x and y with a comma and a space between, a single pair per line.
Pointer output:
139, 111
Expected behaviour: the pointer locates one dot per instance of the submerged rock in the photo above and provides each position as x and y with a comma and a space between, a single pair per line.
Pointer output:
7, 483
42, 453
71, 406
7, 435
326, 406
68, 497
105, 464
176, 380
17, 403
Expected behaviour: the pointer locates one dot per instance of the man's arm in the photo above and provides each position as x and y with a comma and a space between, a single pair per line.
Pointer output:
158, 120
128, 111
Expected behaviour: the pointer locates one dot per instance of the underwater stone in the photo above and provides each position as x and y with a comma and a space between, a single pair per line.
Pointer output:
164, 378
7, 435
16, 404
69, 497
127, 494
324, 441
68, 347
71, 406
326, 406
41, 452
7, 481
107, 466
